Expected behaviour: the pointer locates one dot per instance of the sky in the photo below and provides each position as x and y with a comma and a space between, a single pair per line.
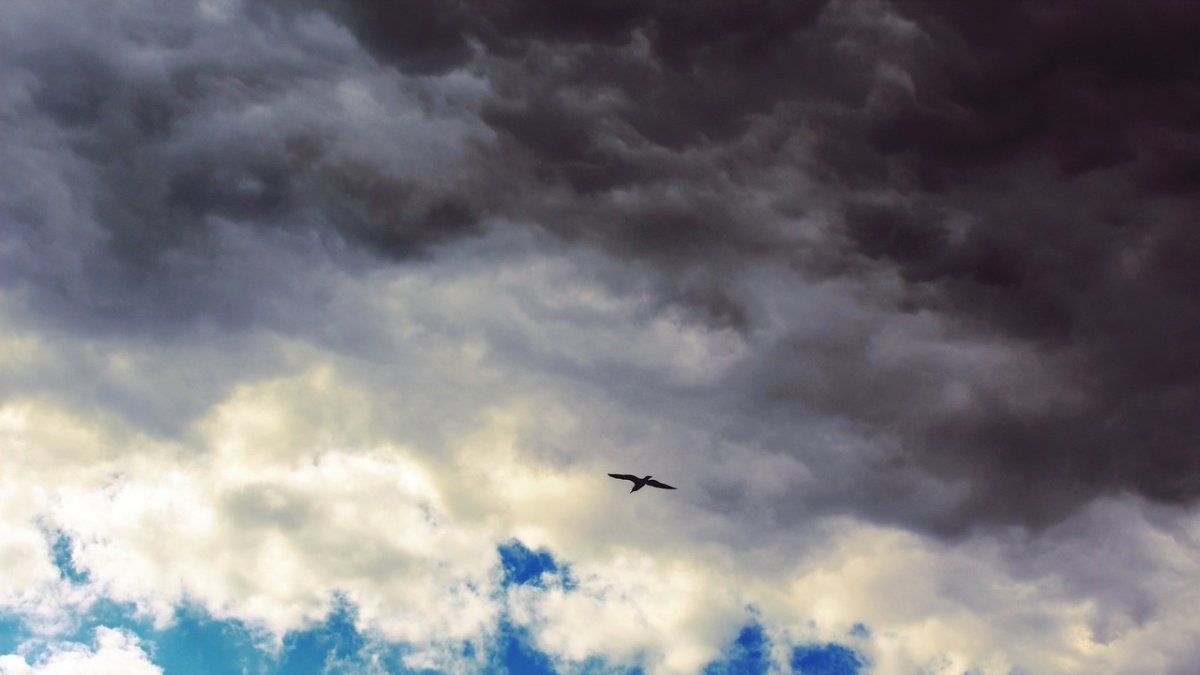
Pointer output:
323, 321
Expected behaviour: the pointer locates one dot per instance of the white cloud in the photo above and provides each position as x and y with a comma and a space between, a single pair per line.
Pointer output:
114, 652
670, 615
431, 413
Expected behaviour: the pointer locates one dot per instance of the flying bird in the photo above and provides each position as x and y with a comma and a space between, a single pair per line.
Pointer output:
639, 483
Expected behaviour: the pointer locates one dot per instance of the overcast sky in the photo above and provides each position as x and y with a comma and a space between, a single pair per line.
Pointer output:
321, 323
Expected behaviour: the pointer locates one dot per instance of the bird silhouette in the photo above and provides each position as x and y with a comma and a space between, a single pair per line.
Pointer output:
639, 483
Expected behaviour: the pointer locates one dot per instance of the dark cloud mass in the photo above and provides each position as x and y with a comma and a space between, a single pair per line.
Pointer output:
1024, 167
1024, 172
1049, 145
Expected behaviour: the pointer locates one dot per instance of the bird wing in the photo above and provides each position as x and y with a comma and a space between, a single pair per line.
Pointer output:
657, 484
625, 476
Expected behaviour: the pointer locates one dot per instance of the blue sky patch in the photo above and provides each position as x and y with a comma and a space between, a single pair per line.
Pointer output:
750, 654
10, 633
336, 643
198, 644
524, 566
60, 549
828, 659
517, 653
106, 612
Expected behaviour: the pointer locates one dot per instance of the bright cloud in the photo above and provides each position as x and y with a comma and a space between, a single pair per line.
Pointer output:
113, 652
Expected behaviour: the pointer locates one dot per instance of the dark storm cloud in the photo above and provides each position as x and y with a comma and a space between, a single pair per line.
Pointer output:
1026, 168
607, 114
1027, 171
1029, 184
177, 141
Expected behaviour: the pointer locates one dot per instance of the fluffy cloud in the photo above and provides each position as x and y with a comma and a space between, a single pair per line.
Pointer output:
300, 485
114, 653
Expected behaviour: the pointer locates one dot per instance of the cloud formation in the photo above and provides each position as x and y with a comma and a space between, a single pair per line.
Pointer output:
1027, 193
330, 299
115, 652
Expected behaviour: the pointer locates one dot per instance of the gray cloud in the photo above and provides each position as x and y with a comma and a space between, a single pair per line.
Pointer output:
1028, 191
150, 155
999, 228
1014, 179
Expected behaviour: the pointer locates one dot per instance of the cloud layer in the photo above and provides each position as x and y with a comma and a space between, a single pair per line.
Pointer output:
321, 300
